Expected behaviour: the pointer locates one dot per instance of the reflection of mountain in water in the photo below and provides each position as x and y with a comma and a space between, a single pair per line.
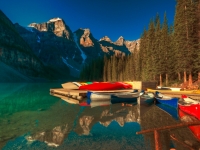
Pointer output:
105, 115
52, 138
51, 121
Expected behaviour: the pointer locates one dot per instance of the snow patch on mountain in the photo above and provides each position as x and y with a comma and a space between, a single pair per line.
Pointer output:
82, 53
38, 40
29, 29
54, 20
65, 61
32, 25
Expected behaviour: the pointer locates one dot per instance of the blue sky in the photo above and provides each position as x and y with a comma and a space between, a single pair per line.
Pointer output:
113, 18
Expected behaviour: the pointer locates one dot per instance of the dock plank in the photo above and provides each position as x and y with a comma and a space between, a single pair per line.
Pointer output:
84, 92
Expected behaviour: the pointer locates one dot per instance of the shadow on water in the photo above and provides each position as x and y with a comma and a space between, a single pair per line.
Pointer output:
161, 116
30, 118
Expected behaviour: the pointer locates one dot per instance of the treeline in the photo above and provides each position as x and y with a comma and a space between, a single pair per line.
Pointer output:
166, 53
93, 71
172, 52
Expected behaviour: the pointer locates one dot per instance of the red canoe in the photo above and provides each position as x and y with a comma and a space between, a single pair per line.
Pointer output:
105, 86
193, 109
195, 129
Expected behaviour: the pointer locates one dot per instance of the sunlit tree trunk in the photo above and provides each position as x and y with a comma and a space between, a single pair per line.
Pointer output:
179, 76
190, 79
184, 76
198, 76
166, 81
160, 80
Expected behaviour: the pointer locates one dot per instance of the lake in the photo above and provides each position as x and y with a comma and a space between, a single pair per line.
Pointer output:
31, 118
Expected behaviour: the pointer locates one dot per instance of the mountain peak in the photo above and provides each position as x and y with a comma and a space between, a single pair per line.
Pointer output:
54, 20
55, 25
120, 41
105, 38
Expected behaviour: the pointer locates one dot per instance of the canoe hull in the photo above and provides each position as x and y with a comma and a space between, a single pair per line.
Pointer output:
105, 86
193, 109
170, 110
107, 96
173, 102
195, 129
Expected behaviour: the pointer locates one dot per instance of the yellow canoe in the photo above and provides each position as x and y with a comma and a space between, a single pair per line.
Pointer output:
178, 92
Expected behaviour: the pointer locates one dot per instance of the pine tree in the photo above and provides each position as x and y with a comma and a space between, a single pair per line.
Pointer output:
105, 69
113, 67
143, 55
158, 53
150, 61
165, 49
109, 75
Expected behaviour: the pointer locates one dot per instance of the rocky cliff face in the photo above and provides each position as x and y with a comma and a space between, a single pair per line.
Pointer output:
131, 45
87, 44
55, 25
16, 53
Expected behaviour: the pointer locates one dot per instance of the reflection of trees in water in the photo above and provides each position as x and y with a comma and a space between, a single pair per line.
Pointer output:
154, 118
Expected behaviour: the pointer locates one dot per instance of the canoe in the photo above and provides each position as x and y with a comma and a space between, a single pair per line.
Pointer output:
166, 100
71, 85
105, 86
190, 106
191, 109
107, 96
174, 91
188, 118
170, 110
148, 98
123, 99
189, 100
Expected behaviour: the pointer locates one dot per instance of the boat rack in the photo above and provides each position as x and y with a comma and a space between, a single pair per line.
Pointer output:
79, 94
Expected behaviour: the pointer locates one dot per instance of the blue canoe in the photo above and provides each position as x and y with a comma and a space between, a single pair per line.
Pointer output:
166, 100
170, 110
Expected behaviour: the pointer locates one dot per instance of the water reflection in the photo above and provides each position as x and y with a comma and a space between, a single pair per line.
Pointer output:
30, 118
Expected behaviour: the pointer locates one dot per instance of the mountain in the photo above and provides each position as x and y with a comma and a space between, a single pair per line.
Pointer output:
16, 54
88, 44
55, 25
51, 50
114, 48
59, 54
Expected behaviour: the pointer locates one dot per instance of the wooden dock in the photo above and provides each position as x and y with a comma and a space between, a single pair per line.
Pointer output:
79, 94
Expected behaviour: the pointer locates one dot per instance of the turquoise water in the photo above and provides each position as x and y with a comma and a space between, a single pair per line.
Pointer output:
30, 118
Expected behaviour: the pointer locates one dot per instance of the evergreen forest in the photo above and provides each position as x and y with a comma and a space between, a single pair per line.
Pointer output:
166, 54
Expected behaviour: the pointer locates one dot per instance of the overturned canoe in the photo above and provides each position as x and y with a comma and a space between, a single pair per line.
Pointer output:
106, 86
